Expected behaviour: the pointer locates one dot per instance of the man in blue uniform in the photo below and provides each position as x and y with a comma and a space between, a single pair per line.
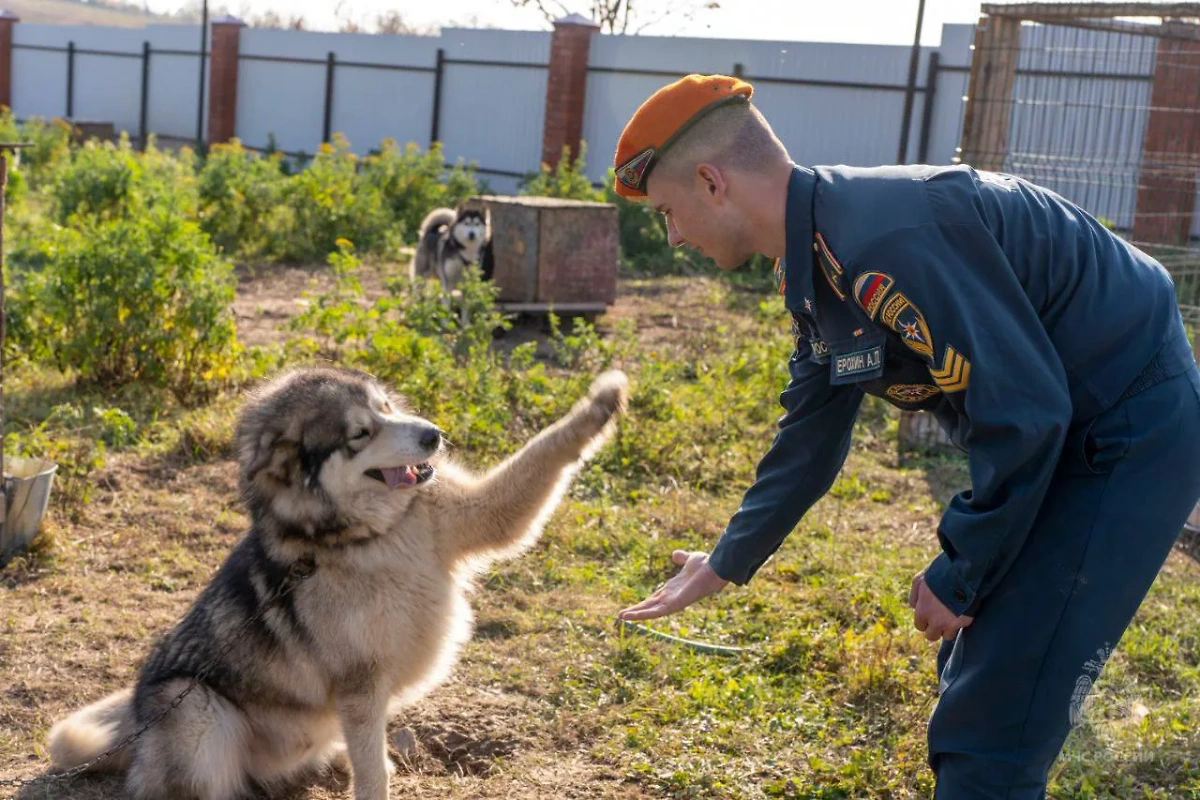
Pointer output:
1048, 348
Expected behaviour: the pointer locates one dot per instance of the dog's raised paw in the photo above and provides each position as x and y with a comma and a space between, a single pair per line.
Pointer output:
610, 392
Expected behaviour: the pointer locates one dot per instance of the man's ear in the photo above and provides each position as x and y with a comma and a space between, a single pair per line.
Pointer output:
712, 180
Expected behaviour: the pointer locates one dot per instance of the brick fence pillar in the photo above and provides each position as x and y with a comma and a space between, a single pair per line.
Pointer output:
1166, 198
566, 87
223, 74
7, 21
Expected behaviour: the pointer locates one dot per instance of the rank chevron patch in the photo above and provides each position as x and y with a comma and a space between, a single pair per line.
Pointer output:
830, 267
954, 373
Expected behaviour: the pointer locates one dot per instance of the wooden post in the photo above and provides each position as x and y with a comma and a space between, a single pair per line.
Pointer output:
989, 92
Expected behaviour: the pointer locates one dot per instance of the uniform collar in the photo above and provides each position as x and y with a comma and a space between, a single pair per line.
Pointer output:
798, 259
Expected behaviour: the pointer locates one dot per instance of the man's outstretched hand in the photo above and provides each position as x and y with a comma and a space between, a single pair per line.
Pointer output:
696, 580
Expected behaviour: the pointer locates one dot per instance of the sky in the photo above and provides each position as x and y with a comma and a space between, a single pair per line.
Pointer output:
866, 21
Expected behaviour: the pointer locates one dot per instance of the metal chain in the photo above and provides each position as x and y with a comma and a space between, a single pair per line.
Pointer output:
299, 572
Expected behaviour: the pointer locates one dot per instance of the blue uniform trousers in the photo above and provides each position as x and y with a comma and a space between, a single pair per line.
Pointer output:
1012, 684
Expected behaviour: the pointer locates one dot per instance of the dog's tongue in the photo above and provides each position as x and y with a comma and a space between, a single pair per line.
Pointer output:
399, 476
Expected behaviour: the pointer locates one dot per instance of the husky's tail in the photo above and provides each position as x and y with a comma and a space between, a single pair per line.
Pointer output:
90, 731
438, 218
425, 259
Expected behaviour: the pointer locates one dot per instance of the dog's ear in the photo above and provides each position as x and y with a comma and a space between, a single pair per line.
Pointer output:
273, 456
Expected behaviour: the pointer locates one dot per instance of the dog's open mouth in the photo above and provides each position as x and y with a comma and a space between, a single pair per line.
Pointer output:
405, 476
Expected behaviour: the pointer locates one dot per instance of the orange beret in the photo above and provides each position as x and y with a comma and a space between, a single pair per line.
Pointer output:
660, 121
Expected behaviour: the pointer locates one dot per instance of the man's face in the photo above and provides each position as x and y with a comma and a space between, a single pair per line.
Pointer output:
699, 214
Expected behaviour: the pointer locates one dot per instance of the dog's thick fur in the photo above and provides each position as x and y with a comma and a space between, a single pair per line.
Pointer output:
447, 242
378, 622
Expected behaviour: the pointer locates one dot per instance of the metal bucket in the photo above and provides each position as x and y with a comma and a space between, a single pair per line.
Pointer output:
27, 483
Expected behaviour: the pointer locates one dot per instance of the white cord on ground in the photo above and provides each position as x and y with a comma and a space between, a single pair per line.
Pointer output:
691, 644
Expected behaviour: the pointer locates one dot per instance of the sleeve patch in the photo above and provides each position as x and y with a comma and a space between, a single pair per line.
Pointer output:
830, 267
904, 318
870, 290
954, 373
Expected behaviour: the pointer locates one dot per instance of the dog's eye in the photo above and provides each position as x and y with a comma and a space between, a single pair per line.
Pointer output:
362, 433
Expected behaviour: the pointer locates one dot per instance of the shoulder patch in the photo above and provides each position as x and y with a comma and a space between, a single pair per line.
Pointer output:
830, 267
954, 372
904, 318
870, 289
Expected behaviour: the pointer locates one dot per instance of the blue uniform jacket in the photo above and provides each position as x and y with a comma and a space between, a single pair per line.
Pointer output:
999, 306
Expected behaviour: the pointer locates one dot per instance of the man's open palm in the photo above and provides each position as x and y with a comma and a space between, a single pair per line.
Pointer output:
696, 580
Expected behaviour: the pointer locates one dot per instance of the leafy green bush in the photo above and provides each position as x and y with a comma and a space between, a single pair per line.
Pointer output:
129, 299
240, 197
328, 201
50, 140
413, 183
111, 180
566, 180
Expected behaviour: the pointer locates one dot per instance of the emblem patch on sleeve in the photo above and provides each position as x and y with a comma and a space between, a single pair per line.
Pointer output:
904, 318
870, 290
911, 392
830, 267
954, 373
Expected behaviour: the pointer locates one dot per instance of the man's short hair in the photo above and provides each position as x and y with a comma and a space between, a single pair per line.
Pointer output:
734, 137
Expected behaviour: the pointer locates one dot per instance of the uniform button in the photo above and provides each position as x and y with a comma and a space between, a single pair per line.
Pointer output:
960, 595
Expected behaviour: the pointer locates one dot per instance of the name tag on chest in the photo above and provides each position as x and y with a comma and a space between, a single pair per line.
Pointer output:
857, 365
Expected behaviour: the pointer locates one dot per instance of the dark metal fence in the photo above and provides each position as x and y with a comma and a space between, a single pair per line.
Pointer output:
437, 74
928, 90
330, 62
148, 52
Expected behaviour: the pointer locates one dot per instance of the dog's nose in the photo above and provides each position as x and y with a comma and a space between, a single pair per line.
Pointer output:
471, 235
431, 438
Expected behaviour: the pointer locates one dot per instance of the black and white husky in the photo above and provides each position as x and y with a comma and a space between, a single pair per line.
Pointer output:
344, 483
448, 241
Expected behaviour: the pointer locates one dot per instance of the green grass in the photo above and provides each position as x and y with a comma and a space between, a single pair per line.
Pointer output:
830, 697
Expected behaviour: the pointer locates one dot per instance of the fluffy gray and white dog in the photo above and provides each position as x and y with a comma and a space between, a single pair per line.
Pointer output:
344, 484
447, 242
